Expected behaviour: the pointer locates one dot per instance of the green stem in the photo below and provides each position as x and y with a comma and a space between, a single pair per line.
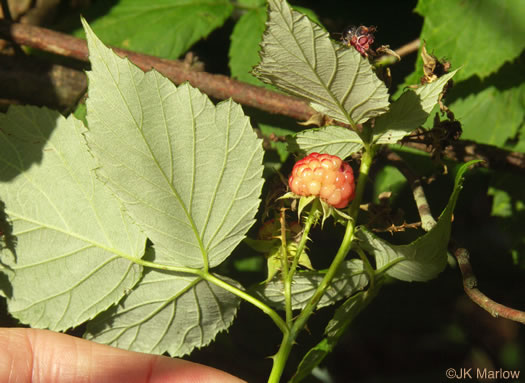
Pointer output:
284, 269
288, 339
325, 283
204, 274
247, 297
288, 272
346, 244
302, 243
279, 359
159, 266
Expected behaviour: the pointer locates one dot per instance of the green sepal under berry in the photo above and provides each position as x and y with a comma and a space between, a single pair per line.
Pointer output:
322, 212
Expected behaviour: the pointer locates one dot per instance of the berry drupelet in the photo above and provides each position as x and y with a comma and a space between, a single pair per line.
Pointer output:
325, 176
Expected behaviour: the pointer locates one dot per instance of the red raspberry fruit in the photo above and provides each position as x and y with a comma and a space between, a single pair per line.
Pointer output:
325, 176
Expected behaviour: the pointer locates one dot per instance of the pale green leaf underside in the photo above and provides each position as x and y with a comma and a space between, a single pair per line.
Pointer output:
422, 259
188, 172
299, 57
166, 312
409, 111
334, 140
164, 28
70, 232
349, 279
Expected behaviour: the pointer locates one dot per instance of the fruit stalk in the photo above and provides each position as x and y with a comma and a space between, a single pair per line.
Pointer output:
289, 338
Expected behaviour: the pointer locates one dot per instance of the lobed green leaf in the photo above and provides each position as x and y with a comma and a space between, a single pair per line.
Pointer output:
166, 312
493, 116
488, 96
67, 238
188, 172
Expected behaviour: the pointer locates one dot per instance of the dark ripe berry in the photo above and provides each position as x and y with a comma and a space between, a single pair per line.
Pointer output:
361, 38
325, 176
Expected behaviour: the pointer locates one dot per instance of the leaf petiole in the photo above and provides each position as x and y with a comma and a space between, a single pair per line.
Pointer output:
248, 298
204, 274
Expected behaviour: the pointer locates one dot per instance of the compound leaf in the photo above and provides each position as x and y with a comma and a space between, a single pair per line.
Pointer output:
299, 57
188, 172
334, 140
68, 235
422, 259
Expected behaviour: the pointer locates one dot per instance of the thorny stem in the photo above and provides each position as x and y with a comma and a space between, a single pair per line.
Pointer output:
290, 270
5, 10
284, 269
300, 322
304, 237
405, 50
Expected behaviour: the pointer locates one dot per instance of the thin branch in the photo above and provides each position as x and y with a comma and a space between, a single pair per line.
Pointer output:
427, 220
466, 150
470, 285
408, 48
39, 82
389, 59
217, 86
462, 255
222, 87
